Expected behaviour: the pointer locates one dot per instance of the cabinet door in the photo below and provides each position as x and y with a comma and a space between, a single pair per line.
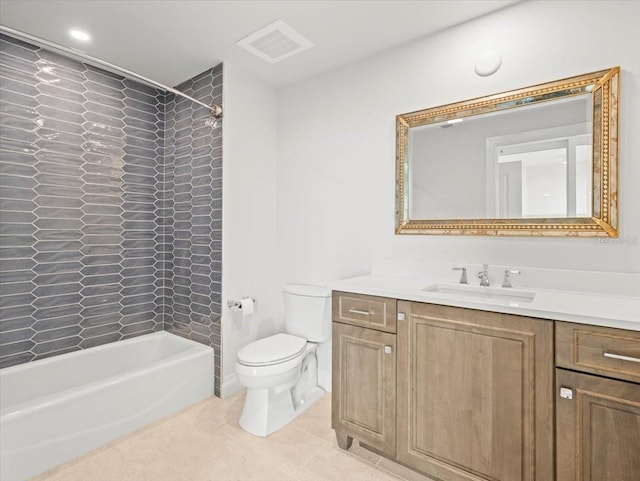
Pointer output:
598, 428
475, 394
364, 386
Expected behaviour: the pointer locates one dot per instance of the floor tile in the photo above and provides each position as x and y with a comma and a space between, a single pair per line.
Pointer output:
205, 443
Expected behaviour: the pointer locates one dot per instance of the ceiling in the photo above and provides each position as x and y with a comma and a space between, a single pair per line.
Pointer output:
171, 41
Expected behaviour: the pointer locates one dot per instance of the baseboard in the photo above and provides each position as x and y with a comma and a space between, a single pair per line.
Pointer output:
230, 386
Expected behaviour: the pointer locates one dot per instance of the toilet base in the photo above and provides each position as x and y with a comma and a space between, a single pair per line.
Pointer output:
266, 411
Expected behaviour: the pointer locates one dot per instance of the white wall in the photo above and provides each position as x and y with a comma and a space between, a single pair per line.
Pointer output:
336, 140
249, 262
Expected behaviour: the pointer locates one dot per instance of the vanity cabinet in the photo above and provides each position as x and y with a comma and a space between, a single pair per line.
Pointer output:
474, 394
597, 417
364, 371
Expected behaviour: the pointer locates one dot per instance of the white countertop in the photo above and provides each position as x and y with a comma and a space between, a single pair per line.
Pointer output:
621, 312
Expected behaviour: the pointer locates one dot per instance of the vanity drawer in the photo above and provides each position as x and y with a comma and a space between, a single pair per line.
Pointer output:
364, 311
599, 350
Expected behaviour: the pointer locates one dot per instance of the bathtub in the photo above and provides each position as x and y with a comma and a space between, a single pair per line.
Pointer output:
58, 408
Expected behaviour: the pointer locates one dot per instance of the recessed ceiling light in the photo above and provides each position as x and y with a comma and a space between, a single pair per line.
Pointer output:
80, 35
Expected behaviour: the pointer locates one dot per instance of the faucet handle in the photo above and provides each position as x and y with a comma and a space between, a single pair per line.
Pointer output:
463, 278
507, 277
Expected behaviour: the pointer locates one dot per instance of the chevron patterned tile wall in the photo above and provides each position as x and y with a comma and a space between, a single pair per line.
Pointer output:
110, 220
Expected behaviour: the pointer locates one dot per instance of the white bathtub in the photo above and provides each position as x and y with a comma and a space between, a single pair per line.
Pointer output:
58, 408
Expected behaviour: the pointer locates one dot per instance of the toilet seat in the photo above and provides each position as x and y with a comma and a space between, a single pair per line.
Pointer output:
271, 350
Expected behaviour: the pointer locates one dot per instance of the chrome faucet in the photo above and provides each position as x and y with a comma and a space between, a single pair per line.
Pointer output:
483, 275
507, 277
463, 277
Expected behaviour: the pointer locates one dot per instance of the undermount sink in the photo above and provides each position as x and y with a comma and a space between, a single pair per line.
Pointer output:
482, 293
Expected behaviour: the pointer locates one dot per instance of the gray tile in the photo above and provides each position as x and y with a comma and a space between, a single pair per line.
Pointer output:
99, 122
98, 331
137, 280
137, 309
75, 115
100, 270
57, 322
16, 205
133, 275
72, 92
54, 334
60, 191
102, 78
15, 86
92, 301
15, 348
61, 265
14, 360
58, 213
19, 323
57, 278
61, 61
102, 310
111, 210
114, 90
58, 246
101, 260
16, 252
59, 169
103, 185
100, 340
137, 328
11, 180
48, 354
17, 288
138, 133
102, 229
61, 300
18, 63
103, 99
104, 110
57, 289
56, 346
138, 87
101, 290
57, 103
103, 220
16, 270
58, 223
7, 228
60, 235
7, 313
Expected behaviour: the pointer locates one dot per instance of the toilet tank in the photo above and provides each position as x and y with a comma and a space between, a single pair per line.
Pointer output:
307, 312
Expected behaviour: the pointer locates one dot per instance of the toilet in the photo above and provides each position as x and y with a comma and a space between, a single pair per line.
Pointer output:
280, 372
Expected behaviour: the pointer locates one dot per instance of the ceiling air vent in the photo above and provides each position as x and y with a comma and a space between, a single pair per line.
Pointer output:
275, 42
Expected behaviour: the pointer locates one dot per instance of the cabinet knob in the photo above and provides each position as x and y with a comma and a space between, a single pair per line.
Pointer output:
401, 316
566, 393
388, 350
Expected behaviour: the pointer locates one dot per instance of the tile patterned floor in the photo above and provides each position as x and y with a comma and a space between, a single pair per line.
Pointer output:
205, 443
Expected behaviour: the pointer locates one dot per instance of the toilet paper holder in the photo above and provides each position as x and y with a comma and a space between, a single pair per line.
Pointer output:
238, 304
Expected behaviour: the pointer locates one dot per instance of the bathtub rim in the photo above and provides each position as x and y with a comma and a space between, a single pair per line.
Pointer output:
15, 411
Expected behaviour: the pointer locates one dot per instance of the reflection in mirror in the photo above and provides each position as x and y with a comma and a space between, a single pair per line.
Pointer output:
486, 162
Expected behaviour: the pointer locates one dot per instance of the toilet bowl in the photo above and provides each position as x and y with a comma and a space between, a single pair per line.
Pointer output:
280, 371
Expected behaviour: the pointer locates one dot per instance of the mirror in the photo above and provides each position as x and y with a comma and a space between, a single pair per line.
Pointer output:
537, 161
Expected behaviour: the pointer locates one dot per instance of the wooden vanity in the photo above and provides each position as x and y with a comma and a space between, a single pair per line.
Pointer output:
468, 395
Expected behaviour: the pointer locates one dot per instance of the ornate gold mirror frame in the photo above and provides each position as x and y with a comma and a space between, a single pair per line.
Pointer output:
604, 86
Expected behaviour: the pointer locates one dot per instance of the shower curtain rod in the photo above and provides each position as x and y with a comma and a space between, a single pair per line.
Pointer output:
216, 110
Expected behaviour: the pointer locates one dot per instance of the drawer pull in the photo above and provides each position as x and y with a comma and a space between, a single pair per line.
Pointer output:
620, 357
357, 311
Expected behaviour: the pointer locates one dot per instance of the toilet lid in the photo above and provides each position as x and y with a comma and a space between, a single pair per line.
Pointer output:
271, 350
